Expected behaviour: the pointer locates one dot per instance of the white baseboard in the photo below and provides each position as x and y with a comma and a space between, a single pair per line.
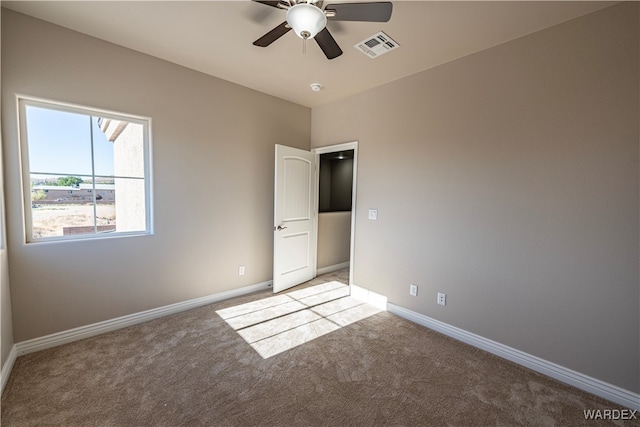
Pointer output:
332, 268
7, 367
82, 332
370, 297
600, 388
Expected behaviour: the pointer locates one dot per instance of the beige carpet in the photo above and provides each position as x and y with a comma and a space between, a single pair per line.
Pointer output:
194, 369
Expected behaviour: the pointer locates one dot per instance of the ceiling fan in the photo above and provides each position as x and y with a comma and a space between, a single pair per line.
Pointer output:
308, 20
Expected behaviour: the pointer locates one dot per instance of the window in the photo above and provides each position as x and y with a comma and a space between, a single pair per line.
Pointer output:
86, 173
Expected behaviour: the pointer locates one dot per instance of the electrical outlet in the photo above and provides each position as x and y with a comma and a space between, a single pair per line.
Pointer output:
241, 270
413, 290
373, 214
442, 298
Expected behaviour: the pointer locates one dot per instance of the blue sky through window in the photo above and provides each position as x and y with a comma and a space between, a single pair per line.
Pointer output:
60, 143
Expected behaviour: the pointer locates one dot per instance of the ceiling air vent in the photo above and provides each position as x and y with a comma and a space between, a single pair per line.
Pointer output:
376, 45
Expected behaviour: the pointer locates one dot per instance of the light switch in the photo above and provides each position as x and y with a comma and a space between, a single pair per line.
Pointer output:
373, 213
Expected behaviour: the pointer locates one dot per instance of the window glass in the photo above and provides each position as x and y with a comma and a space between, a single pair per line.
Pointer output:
87, 172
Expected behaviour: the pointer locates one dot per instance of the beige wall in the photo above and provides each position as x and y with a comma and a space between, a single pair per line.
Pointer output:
213, 145
5, 308
6, 324
334, 238
509, 180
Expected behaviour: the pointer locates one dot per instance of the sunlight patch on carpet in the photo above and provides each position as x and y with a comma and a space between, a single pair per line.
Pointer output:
276, 324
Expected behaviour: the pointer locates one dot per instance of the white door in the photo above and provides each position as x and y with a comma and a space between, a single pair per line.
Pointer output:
294, 227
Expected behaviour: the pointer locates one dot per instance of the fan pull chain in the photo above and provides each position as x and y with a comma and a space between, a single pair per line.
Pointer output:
304, 46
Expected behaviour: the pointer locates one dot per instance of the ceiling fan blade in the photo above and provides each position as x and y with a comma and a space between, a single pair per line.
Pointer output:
370, 12
328, 44
272, 35
268, 3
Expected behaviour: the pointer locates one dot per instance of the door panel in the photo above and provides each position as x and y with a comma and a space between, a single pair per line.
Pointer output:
294, 240
296, 246
296, 189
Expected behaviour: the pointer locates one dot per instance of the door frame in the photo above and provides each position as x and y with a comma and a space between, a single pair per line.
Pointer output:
332, 149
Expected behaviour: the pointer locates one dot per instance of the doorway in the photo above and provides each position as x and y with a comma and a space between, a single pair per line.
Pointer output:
296, 206
336, 206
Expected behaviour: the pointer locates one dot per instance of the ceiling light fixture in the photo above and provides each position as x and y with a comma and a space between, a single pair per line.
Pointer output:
316, 87
306, 19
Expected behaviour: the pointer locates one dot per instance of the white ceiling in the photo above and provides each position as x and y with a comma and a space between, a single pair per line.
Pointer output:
215, 37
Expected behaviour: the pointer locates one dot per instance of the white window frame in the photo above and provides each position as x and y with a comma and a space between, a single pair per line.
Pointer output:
24, 101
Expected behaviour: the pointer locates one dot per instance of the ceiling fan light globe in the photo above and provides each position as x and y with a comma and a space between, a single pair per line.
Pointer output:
306, 20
